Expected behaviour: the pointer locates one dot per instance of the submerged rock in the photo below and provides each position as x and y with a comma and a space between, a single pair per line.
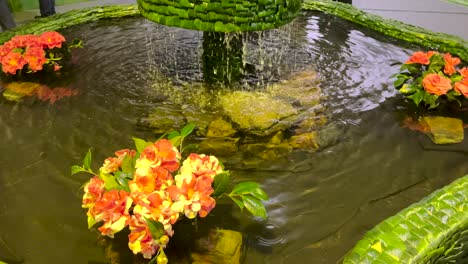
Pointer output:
444, 130
258, 113
309, 141
219, 247
219, 146
220, 128
301, 87
165, 118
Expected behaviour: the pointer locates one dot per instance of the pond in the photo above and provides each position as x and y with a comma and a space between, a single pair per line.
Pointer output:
321, 202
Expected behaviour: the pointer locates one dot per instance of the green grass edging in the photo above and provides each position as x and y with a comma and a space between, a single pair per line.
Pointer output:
438, 41
399, 30
434, 229
71, 18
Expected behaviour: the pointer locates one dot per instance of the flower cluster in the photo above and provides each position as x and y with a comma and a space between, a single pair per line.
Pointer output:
152, 194
429, 76
32, 52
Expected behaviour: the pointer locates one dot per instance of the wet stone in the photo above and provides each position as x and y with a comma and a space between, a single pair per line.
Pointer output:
444, 130
220, 128
258, 113
219, 247
219, 146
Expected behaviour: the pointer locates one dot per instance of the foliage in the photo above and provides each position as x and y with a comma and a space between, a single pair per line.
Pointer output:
33, 53
150, 188
430, 77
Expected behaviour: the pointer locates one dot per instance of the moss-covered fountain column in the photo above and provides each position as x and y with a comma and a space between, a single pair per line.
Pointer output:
220, 19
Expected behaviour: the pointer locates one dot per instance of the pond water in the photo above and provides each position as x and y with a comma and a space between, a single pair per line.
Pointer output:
321, 202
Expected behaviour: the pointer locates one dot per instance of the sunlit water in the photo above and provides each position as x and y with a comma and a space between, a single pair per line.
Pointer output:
320, 203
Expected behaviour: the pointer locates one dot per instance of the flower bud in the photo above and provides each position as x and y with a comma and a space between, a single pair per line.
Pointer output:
163, 240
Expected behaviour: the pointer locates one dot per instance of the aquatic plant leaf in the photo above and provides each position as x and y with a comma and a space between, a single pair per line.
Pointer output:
141, 144
254, 206
156, 228
245, 188
238, 202
76, 169
87, 160
190, 146
221, 183
187, 130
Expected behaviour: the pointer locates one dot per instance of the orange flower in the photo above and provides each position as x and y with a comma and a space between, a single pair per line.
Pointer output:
57, 66
23, 41
35, 57
112, 164
462, 87
12, 62
160, 154
92, 191
112, 208
156, 179
420, 57
436, 84
450, 63
140, 239
199, 165
464, 72
52, 39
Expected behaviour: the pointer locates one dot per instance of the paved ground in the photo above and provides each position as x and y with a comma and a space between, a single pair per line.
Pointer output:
436, 15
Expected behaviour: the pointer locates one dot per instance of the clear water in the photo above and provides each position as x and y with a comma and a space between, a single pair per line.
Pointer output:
320, 203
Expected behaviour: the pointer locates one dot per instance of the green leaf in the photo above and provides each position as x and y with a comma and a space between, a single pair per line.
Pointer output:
110, 182
173, 134
122, 179
186, 130
91, 221
238, 202
156, 228
221, 183
141, 144
75, 169
245, 188
87, 160
399, 82
260, 194
431, 100
175, 140
407, 89
127, 164
190, 146
254, 206
417, 97
153, 260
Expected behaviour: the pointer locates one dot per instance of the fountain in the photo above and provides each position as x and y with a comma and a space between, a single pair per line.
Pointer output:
354, 166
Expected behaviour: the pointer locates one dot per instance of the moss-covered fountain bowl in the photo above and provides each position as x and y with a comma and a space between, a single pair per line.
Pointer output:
221, 15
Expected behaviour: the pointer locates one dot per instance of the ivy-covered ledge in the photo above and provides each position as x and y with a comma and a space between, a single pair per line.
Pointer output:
434, 230
438, 41
71, 18
412, 34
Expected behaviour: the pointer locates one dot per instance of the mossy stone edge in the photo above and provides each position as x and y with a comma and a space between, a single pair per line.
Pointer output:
436, 228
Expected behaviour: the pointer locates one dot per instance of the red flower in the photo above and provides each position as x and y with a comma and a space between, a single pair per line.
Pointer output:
464, 72
450, 63
436, 84
35, 57
12, 62
52, 39
23, 41
112, 208
462, 87
420, 57
92, 192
